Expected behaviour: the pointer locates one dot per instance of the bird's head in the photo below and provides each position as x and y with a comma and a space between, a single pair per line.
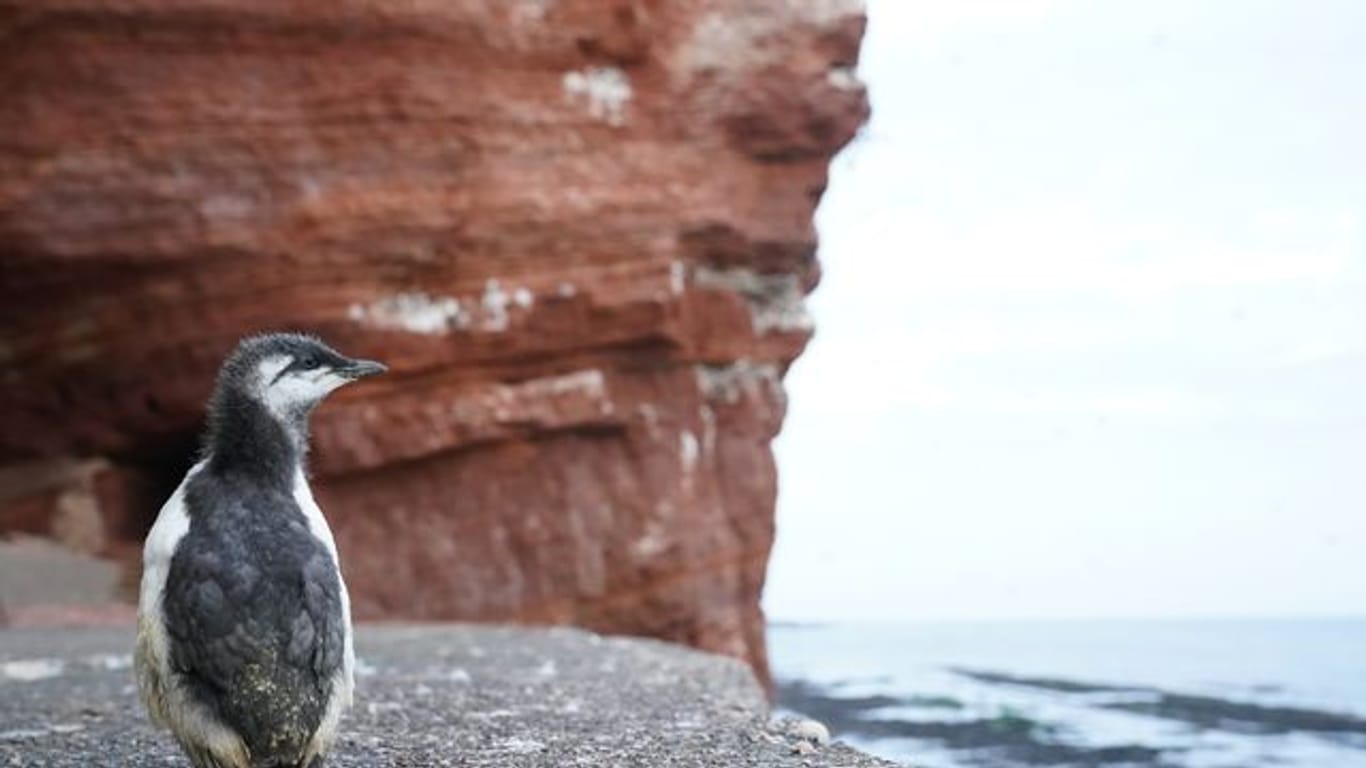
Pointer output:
289, 373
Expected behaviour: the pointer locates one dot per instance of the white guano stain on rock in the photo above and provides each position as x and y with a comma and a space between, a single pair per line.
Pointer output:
776, 301
495, 303
494, 714
590, 382
605, 90
109, 661
650, 416
730, 383
29, 670
520, 746
413, 312
650, 545
32, 734
227, 207
418, 312
843, 79
744, 38
688, 451
708, 417
529, 11
822, 12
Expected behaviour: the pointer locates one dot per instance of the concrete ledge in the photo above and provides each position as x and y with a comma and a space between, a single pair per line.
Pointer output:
438, 695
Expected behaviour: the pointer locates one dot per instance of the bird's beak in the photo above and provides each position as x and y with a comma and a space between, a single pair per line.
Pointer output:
359, 369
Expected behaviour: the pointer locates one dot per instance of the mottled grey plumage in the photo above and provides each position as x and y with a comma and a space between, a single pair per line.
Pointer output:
253, 610
244, 627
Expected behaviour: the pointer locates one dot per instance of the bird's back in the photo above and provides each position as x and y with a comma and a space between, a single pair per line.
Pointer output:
254, 616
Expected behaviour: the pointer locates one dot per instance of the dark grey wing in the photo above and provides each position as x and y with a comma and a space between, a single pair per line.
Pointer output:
254, 616
319, 633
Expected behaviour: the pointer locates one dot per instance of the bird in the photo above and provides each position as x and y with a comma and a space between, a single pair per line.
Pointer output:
244, 643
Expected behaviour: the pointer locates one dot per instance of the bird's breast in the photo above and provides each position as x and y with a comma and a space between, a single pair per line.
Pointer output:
172, 524
317, 524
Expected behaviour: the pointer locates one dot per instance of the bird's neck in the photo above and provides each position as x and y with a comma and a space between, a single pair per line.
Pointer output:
246, 439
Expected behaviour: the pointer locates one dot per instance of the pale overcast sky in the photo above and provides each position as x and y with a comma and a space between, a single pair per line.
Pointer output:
1092, 335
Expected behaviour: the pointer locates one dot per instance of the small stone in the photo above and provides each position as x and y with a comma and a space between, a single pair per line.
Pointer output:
810, 731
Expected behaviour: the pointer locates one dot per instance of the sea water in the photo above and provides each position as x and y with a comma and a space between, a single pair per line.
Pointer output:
1176, 694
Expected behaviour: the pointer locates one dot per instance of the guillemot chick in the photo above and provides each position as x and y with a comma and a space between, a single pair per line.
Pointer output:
244, 627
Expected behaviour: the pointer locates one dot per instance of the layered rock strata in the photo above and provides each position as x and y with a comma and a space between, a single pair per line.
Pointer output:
579, 231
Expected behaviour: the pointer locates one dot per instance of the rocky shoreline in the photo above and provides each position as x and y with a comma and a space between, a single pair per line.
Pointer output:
1017, 738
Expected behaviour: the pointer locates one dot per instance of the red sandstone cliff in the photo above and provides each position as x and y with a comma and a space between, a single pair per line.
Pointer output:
579, 231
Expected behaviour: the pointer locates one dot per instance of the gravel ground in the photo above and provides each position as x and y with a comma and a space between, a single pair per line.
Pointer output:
438, 695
